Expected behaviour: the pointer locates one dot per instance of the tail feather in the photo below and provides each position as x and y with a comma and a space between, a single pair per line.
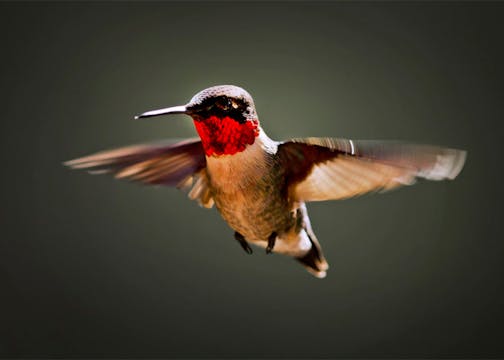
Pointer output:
314, 260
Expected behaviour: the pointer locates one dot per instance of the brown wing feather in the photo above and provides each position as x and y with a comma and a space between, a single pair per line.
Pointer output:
180, 164
331, 169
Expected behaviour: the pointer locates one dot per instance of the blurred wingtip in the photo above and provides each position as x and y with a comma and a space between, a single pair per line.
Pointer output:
69, 163
458, 163
448, 165
80, 163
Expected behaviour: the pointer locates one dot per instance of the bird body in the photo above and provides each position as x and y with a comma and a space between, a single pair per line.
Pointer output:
243, 193
248, 189
260, 186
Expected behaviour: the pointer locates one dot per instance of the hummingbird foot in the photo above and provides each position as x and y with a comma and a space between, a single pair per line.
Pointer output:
244, 244
271, 242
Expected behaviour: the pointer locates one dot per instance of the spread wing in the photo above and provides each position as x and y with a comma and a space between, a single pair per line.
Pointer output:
331, 169
180, 164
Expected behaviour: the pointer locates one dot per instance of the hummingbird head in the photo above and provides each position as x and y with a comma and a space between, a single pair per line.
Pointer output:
223, 101
224, 116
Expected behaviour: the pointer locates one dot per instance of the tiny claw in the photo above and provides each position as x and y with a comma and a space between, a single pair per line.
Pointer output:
248, 249
271, 243
244, 244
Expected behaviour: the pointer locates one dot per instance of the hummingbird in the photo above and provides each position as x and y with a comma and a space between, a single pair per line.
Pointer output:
261, 186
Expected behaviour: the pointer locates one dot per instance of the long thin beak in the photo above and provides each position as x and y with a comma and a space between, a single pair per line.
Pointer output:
166, 111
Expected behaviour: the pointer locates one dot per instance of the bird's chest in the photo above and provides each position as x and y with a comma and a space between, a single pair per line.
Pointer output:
246, 191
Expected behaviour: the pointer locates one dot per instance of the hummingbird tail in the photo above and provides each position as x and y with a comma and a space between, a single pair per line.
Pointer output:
314, 260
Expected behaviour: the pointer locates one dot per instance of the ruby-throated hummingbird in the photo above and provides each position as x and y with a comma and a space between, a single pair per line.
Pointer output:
260, 186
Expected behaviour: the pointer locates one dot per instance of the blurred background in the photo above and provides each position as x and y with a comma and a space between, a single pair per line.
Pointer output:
94, 267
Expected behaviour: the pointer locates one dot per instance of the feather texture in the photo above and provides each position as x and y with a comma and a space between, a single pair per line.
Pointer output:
332, 169
180, 164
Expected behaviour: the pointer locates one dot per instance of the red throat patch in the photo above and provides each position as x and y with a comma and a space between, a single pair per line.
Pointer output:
226, 136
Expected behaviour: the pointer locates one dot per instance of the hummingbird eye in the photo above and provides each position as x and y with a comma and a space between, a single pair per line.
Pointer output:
224, 103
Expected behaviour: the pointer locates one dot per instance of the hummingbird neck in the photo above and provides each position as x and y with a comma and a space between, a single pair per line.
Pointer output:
226, 136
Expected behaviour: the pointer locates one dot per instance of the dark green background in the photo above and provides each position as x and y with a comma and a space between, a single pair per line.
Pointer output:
95, 267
